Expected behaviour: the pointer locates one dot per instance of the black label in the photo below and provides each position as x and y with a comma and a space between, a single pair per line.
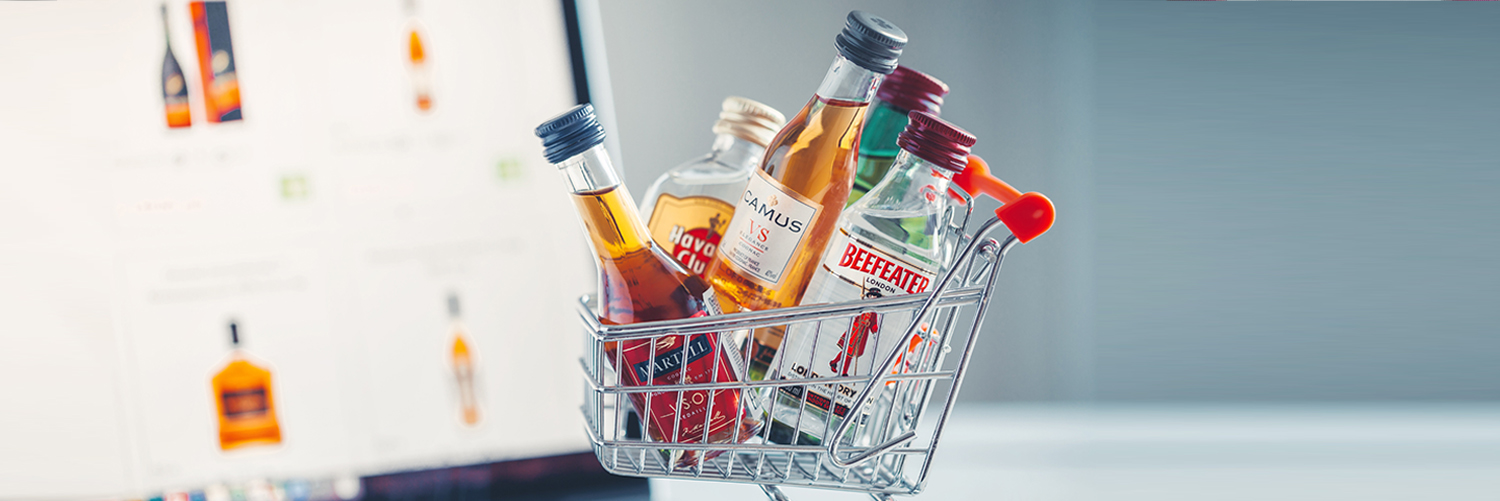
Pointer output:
244, 403
669, 362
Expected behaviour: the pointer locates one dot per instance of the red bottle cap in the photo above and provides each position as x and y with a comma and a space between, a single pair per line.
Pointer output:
937, 141
912, 90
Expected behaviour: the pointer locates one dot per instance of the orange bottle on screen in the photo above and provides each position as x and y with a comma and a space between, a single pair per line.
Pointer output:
216, 63
787, 213
463, 366
174, 90
416, 59
245, 400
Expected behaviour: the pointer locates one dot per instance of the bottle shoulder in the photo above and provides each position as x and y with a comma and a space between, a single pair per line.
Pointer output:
912, 234
703, 177
240, 370
706, 170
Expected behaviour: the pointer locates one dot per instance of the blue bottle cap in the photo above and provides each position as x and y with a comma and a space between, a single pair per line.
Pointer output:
571, 133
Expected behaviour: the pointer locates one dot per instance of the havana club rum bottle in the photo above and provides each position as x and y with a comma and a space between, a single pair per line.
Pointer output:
638, 282
246, 404
786, 215
874, 254
689, 206
462, 360
174, 91
903, 91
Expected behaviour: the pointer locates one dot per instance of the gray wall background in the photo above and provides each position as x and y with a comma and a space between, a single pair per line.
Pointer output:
1256, 202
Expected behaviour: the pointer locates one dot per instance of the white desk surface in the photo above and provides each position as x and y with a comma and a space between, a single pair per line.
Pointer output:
1221, 453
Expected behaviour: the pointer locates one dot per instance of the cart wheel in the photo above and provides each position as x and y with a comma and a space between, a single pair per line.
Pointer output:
773, 492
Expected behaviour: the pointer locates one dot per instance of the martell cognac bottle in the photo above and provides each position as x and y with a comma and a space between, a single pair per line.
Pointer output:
638, 282
246, 404
787, 213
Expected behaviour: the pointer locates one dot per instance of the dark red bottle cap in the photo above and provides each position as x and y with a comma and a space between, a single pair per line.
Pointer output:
936, 141
912, 90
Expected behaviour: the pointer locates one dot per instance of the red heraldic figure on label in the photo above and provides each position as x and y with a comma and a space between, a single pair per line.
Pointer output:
853, 341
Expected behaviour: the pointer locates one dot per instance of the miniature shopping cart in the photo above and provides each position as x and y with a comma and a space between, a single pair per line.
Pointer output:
888, 460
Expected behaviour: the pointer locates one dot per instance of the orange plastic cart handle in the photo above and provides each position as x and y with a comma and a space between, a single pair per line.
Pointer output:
1027, 215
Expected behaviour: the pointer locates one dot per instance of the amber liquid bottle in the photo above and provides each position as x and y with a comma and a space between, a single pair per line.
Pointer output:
174, 91
462, 360
416, 54
639, 282
246, 404
787, 213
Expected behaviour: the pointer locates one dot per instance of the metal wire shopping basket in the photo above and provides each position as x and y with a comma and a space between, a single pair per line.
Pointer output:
889, 460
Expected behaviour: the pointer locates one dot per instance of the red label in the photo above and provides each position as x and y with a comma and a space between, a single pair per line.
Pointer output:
682, 415
694, 248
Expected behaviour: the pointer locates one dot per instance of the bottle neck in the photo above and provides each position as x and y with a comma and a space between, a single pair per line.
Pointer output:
737, 153
165, 28
610, 218
911, 183
846, 81
882, 128
589, 171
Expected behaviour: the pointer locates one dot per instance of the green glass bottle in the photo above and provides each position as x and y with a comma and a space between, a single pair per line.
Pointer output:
904, 91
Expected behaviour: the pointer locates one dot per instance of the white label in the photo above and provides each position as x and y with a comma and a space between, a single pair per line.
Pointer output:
876, 273
768, 227
852, 347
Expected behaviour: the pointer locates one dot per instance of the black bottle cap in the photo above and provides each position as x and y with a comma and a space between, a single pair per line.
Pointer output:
871, 42
570, 133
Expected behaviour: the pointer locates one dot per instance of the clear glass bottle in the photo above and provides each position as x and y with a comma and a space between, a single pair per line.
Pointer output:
903, 91
873, 254
638, 282
689, 206
785, 217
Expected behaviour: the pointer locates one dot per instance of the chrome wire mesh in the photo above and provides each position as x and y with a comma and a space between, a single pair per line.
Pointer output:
889, 459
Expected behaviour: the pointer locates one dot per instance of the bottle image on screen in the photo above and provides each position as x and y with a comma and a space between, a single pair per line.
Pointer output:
903, 91
221, 85
875, 253
246, 403
174, 90
689, 206
639, 282
416, 60
786, 215
462, 358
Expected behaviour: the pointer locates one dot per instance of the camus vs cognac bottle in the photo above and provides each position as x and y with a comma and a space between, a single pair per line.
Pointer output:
784, 218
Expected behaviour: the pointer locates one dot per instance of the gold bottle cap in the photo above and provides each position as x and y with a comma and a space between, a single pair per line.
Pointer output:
749, 120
